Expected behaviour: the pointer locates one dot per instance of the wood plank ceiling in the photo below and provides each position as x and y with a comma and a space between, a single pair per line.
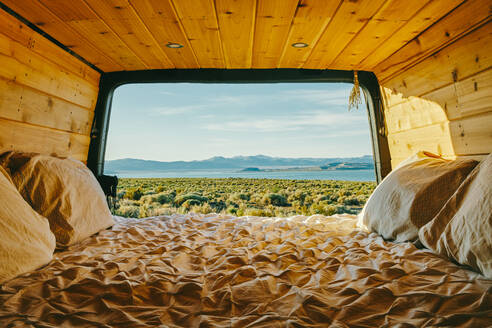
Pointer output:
119, 35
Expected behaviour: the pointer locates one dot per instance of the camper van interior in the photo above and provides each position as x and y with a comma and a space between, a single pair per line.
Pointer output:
420, 252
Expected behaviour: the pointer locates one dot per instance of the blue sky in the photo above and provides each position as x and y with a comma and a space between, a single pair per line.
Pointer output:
184, 121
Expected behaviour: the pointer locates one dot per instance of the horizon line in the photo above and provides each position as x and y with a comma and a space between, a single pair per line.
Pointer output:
236, 156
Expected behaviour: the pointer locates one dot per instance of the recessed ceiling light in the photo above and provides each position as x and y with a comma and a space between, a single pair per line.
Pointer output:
299, 45
174, 45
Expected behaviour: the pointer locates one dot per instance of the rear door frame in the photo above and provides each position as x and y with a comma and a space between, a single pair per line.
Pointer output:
112, 80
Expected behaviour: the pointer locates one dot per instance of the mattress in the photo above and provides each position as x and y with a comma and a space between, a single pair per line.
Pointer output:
222, 271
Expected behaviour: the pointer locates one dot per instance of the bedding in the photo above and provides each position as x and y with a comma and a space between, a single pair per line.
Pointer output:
412, 194
26, 241
63, 190
220, 271
462, 230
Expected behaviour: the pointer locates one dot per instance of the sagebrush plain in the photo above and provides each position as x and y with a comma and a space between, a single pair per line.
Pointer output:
142, 197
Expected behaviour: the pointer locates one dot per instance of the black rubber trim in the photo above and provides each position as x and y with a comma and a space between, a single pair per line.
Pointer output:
47, 36
110, 81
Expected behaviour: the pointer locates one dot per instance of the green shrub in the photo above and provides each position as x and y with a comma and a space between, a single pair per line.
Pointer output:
134, 193
190, 202
128, 211
275, 199
165, 198
264, 197
197, 199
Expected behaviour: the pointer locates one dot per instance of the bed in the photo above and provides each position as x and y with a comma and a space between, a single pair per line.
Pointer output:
221, 271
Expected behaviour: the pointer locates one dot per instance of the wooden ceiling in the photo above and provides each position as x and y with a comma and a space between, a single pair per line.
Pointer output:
119, 35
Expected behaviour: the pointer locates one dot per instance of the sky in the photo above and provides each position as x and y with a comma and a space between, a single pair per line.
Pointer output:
192, 121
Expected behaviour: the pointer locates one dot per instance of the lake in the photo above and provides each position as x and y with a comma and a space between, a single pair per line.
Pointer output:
349, 175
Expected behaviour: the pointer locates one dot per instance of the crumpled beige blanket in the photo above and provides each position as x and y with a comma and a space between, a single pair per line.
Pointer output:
221, 271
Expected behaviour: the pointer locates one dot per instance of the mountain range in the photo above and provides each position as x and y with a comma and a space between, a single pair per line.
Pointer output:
237, 162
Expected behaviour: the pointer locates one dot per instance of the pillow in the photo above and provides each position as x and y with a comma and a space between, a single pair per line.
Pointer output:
63, 190
462, 230
26, 242
412, 194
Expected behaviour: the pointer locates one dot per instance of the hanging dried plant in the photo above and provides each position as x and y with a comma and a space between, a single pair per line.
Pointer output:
354, 98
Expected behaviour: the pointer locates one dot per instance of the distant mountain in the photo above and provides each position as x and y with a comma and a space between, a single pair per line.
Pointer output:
237, 162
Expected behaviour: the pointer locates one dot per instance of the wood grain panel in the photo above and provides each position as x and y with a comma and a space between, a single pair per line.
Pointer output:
273, 21
200, 24
309, 23
98, 33
435, 138
30, 69
31, 138
472, 135
81, 18
349, 19
414, 113
468, 97
461, 59
428, 15
236, 25
390, 17
12, 28
341, 34
23, 104
443, 104
162, 21
461, 20
39, 15
123, 21
47, 95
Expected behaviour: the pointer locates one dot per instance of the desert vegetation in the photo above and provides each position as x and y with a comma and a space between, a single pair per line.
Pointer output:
259, 197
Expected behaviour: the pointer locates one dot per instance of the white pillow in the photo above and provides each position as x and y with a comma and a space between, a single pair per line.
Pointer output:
26, 242
412, 194
462, 230
63, 190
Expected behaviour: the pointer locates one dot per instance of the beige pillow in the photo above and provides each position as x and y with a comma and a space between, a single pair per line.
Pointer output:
411, 195
26, 242
462, 230
63, 190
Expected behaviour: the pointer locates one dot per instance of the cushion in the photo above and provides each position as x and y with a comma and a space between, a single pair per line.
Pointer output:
26, 242
63, 190
412, 194
462, 230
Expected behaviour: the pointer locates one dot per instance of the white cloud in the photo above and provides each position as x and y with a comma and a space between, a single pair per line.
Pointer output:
174, 110
289, 123
239, 99
320, 97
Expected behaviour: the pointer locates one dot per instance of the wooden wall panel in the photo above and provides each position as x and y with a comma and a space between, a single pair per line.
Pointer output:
385, 36
48, 96
122, 19
461, 20
428, 15
237, 24
467, 97
42, 17
464, 58
273, 20
160, 18
24, 104
30, 138
311, 19
443, 103
350, 18
37, 43
391, 17
199, 21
